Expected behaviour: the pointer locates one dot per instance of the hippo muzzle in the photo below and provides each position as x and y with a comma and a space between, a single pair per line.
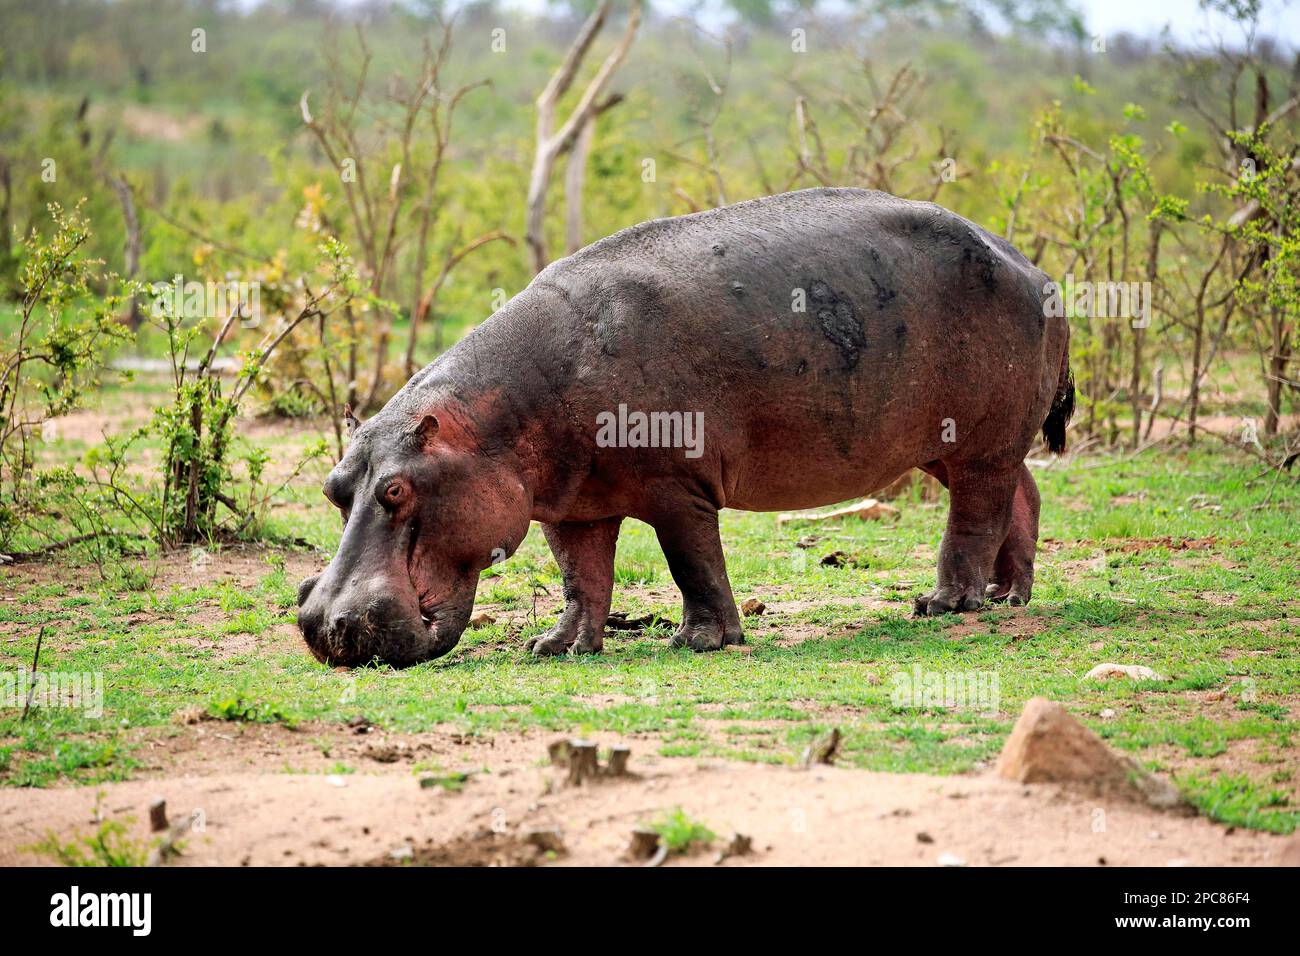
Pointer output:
373, 622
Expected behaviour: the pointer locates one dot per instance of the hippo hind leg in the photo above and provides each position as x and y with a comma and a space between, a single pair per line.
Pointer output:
584, 551
693, 547
980, 520
1013, 570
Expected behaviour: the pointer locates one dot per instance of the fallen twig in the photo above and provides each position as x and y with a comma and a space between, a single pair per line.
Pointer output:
20, 556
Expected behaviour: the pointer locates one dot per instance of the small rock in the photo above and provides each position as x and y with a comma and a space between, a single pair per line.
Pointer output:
738, 648
403, 852
836, 559
753, 607
481, 620
1112, 671
807, 542
951, 859
334, 780
1107, 713
1047, 745
924, 837
360, 725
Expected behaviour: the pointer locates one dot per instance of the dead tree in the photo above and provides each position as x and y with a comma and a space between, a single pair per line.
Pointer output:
386, 190
552, 143
132, 244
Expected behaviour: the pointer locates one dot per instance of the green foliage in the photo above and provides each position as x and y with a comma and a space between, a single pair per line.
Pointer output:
63, 328
109, 845
680, 833
237, 708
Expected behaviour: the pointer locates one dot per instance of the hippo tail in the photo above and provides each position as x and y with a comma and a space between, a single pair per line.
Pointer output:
1062, 405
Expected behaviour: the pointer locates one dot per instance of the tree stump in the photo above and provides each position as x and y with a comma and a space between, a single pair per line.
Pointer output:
559, 753
582, 761
644, 845
158, 815
618, 757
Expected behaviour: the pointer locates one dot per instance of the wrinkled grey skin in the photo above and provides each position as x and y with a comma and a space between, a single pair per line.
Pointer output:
923, 343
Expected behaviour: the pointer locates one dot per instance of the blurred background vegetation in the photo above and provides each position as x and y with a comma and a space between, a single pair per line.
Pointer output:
372, 167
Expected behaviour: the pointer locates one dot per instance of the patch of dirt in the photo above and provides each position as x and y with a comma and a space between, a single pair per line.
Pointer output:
1138, 545
1229, 426
247, 564
484, 848
253, 813
1218, 598
180, 569
148, 123
1017, 623
1274, 768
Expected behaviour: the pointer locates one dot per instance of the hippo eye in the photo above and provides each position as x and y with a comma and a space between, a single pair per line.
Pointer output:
393, 492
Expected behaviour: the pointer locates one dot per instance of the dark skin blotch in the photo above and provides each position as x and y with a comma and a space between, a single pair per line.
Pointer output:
838, 321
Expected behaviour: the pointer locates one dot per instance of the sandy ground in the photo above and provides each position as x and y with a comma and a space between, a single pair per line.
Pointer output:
265, 796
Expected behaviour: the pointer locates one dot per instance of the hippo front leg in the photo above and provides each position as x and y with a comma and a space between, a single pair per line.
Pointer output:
584, 551
691, 544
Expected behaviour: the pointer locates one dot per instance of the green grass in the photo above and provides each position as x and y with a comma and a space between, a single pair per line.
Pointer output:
1221, 621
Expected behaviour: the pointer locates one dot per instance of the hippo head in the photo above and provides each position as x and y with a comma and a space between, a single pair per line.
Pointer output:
426, 507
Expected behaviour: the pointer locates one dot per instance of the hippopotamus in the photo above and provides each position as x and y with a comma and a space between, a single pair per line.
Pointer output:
787, 352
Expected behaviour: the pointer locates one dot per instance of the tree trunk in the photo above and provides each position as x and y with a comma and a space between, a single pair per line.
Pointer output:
575, 175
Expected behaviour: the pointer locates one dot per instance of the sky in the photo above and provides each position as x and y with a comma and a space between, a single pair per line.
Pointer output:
1187, 20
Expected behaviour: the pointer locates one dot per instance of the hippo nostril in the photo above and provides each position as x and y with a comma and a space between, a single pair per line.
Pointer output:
305, 589
339, 624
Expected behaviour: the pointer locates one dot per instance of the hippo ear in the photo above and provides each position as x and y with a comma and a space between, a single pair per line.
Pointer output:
427, 431
350, 420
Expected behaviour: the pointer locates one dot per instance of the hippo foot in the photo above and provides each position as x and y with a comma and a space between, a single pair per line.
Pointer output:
946, 601
706, 637
1015, 594
565, 639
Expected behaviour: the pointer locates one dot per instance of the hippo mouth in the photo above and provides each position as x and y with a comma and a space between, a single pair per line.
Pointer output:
443, 621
